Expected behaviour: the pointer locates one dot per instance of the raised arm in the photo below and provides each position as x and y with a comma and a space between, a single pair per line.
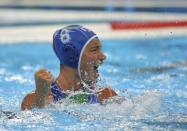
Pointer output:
41, 96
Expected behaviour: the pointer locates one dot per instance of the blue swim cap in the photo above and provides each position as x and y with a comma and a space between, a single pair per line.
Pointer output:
69, 44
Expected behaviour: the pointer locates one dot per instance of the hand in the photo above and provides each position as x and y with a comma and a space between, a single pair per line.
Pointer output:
106, 93
43, 79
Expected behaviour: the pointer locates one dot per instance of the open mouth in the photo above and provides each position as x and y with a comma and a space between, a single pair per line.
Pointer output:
96, 67
96, 70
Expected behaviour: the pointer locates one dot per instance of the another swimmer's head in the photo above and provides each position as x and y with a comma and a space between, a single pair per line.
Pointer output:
79, 48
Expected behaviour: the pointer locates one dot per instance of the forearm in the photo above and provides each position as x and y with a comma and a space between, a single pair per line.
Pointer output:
42, 101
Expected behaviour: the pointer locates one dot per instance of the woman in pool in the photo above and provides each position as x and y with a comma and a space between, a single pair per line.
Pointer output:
79, 52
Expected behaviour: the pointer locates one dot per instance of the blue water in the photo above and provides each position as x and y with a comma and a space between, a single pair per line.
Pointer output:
150, 73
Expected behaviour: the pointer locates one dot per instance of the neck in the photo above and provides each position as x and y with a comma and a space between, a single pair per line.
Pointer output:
68, 79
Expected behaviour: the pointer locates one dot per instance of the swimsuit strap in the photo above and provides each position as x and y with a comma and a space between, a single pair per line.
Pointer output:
93, 98
57, 93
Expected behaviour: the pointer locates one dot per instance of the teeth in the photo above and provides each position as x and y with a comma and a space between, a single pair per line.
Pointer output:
85, 73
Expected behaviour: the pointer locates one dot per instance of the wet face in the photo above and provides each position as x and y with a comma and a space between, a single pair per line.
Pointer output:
91, 59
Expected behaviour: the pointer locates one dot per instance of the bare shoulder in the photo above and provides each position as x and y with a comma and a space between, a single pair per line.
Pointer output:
29, 101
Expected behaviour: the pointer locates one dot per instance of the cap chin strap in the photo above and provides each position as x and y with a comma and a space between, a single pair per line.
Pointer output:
85, 86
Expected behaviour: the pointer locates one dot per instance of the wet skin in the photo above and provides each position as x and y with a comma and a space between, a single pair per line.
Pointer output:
91, 59
69, 79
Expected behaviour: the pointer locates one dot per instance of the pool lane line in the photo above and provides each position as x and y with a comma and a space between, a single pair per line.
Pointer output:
115, 25
96, 8
147, 25
24, 34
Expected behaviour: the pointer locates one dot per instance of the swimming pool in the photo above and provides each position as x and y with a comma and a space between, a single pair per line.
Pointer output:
150, 73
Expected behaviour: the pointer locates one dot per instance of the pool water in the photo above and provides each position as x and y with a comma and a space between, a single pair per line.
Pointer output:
151, 74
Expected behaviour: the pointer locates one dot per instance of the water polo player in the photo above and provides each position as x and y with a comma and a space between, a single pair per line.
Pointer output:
79, 52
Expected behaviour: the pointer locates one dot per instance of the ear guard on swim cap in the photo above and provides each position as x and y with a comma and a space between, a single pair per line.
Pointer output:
69, 43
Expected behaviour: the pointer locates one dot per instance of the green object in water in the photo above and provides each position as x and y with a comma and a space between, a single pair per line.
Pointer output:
79, 98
